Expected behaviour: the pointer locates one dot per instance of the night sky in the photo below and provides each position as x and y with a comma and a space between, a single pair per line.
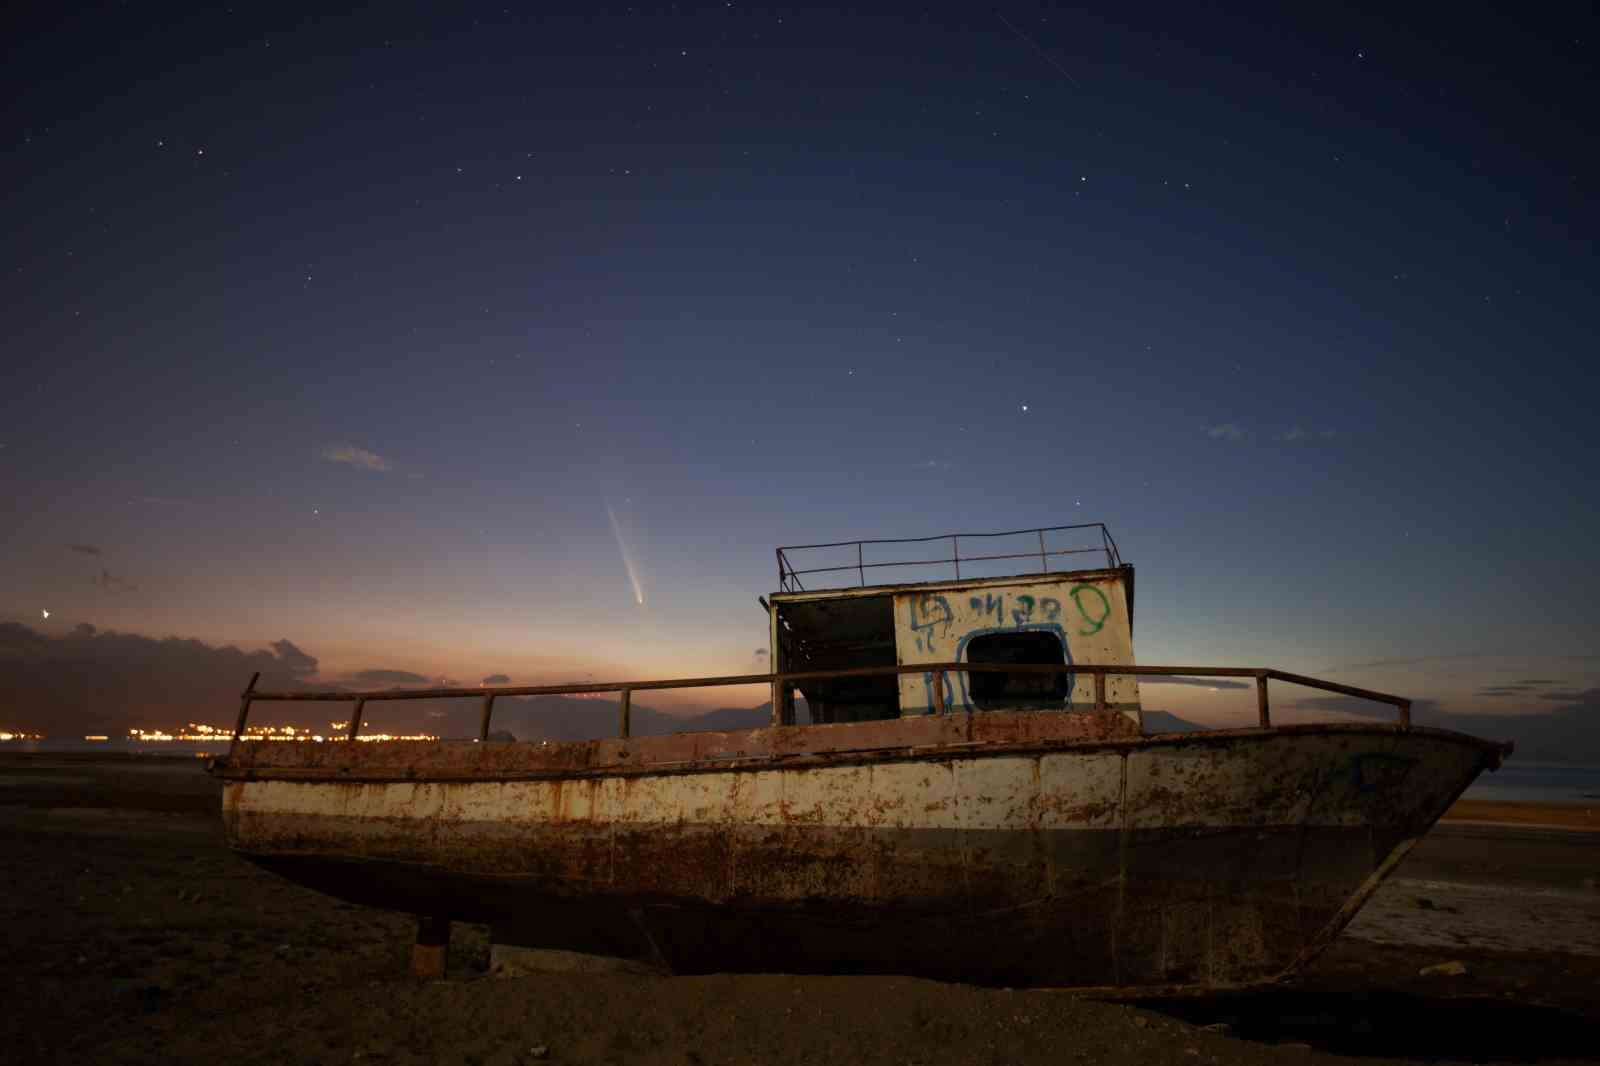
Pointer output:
405, 335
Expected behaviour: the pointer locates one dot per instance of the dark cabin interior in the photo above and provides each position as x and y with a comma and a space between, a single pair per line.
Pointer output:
1018, 692
842, 634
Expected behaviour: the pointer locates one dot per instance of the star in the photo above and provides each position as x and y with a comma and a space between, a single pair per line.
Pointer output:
1024, 408
46, 614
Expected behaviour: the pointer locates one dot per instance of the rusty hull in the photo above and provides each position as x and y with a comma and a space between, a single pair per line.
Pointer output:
1020, 849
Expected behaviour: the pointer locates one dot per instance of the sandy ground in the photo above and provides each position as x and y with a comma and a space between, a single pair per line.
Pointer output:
1547, 815
129, 934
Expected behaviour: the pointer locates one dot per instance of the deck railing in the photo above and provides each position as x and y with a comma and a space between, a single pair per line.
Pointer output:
789, 577
784, 684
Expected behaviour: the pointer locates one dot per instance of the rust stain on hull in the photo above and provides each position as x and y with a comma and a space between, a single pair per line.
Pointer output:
1054, 849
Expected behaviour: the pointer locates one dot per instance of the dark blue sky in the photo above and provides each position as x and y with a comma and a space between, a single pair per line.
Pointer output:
350, 329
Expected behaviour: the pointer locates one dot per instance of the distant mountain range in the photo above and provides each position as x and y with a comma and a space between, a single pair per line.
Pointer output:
566, 718
1569, 734
1167, 722
1567, 731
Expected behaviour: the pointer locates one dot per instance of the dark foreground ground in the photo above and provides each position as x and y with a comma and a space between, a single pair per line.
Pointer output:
128, 933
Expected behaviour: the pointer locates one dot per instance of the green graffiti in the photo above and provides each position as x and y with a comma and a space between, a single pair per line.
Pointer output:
1095, 624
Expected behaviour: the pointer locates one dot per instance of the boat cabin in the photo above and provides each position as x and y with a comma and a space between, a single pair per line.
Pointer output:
1036, 612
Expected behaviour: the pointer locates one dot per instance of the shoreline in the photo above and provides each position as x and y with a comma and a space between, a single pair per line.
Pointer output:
1568, 816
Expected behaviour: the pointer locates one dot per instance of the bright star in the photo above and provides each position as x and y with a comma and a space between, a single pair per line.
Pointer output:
45, 613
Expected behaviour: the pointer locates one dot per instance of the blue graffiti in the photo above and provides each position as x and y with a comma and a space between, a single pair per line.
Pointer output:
949, 693
924, 617
989, 603
1048, 607
956, 694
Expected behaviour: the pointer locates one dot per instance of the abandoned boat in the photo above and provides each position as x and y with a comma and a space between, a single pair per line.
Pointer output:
971, 797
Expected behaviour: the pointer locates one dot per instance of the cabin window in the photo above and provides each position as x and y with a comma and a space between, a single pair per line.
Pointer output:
993, 691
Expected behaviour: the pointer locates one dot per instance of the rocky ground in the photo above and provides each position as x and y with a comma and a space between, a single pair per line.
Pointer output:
128, 933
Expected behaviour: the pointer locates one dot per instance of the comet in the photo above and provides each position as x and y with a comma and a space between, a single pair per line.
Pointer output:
628, 560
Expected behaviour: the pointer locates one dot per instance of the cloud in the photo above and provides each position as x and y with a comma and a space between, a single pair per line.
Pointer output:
1378, 663
1585, 698
497, 679
1515, 688
1227, 431
1354, 705
84, 549
102, 681
297, 662
1199, 682
391, 677
1297, 433
110, 582
350, 455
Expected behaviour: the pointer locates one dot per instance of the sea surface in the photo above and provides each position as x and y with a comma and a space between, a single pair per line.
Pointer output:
1515, 782
1539, 782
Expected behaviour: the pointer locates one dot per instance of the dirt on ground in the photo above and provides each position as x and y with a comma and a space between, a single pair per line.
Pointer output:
130, 934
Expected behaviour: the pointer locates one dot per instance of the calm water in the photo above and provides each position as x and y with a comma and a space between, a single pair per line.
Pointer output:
1515, 782
1548, 782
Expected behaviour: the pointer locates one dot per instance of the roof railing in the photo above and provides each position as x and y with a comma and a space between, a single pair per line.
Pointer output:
784, 684
789, 575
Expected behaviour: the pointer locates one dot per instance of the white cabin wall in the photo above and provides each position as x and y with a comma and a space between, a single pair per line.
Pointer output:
1090, 616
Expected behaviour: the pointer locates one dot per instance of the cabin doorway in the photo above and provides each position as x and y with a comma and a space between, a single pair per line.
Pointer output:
841, 633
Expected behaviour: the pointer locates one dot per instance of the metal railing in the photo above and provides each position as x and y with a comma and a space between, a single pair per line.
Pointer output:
789, 576
783, 685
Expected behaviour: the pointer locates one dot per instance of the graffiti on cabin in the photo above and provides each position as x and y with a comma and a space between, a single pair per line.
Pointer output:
1084, 616
931, 618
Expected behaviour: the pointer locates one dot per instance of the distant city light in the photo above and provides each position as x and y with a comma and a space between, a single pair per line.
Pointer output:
197, 732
